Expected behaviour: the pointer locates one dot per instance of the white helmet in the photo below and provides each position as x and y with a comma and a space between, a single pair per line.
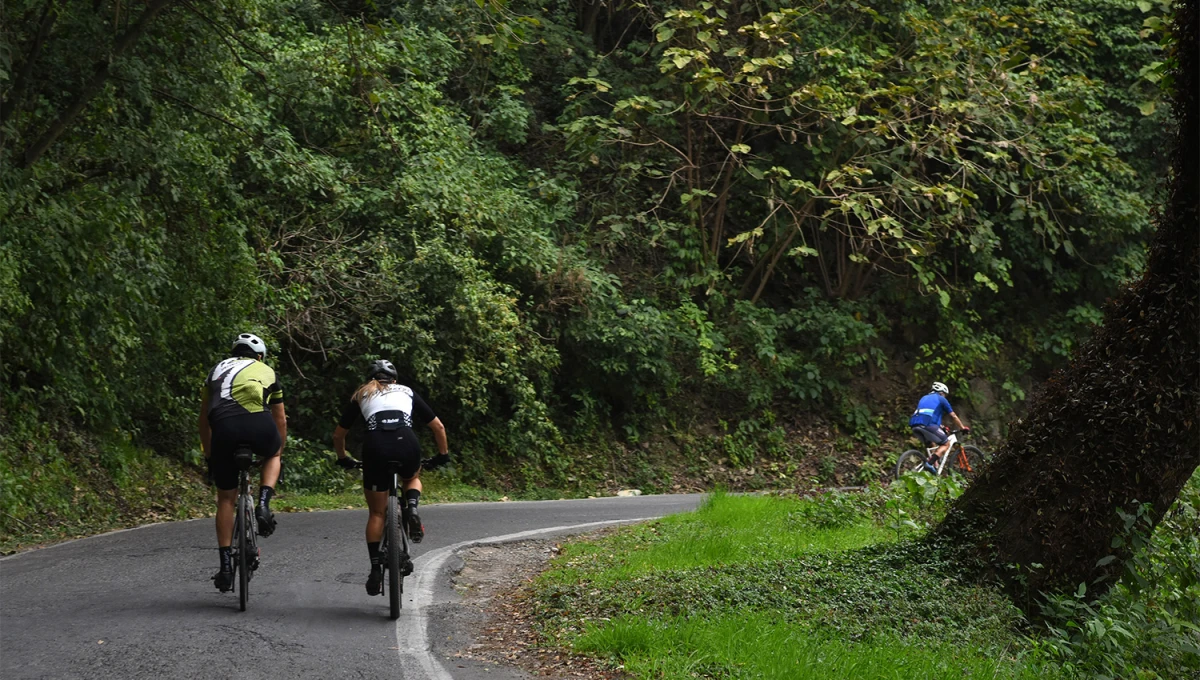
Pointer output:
252, 341
941, 389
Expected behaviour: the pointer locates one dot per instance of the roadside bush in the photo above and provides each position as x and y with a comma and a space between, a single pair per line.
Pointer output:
830, 510
1148, 624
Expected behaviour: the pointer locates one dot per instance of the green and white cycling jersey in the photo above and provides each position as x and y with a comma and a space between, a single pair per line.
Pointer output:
238, 386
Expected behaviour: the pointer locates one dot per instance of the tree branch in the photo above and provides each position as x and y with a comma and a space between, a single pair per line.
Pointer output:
94, 85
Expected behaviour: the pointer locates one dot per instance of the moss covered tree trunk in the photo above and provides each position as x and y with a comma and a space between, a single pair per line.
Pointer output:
1121, 424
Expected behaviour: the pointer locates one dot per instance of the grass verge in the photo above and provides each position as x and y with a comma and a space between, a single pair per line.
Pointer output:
845, 586
766, 587
758, 645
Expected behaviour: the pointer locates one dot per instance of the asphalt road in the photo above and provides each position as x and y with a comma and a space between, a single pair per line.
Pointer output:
140, 603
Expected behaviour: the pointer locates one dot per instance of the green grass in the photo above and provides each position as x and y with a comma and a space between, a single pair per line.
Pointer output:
724, 530
748, 645
766, 587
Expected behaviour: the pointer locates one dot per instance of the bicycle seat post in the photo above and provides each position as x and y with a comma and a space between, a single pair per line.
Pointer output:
243, 458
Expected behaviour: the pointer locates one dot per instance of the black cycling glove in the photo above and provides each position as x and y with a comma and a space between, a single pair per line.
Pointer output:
439, 460
208, 475
347, 463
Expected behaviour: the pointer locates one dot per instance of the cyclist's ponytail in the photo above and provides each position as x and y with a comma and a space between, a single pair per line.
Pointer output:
368, 390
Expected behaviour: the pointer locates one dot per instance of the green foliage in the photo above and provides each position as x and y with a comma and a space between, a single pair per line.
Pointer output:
56, 482
750, 438
832, 510
307, 179
745, 644
961, 351
797, 562
1146, 625
656, 597
308, 467
557, 225
845, 159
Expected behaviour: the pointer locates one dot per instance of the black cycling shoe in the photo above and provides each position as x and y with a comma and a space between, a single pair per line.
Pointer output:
223, 580
375, 581
266, 521
416, 530
407, 567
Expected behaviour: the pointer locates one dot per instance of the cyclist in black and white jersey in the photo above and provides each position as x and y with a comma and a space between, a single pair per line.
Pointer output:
390, 410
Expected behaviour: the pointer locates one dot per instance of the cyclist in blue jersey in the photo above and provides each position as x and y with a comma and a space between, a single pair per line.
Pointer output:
926, 420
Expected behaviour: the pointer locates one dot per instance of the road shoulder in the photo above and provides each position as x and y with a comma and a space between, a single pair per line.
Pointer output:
494, 630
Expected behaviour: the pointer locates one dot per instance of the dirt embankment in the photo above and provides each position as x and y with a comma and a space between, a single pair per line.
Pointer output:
494, 584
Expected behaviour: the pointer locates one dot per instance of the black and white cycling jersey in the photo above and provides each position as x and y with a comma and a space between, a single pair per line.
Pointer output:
393, 407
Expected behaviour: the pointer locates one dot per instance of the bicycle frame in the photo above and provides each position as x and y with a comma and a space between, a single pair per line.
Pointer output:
951, 441
383, 541
951, 450
245, 535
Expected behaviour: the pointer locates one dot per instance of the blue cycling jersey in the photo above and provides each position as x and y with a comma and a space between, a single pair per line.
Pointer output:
930, 410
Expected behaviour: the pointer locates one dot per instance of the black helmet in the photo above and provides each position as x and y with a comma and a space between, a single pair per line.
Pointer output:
382, 368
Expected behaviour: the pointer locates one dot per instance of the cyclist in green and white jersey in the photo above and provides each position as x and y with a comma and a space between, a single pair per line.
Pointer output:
241, 405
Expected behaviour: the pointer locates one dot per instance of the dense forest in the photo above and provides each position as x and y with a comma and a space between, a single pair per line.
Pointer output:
642, 231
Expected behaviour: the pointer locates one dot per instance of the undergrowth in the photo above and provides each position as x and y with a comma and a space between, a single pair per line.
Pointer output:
848, 586
60, 483
56, 483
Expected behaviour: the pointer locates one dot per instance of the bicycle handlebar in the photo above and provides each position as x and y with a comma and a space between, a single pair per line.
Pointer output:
426, 463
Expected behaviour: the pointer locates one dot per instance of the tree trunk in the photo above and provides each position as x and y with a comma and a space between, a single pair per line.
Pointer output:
1121, 424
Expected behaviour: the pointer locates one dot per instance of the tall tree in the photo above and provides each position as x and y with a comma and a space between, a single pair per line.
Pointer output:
1120, 426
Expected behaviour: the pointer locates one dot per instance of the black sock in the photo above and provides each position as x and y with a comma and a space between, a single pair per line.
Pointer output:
226, 558
373, 551
264, 496
413, 497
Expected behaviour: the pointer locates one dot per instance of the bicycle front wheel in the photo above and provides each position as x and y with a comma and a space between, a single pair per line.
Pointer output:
911, 462
968, 462
243, 562
394, 550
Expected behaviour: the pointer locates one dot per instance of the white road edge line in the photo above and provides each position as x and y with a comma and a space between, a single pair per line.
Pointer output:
412, 628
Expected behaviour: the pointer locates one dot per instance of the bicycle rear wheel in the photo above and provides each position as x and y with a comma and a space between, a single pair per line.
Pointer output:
394, 550
911, 462
242, 526
967, 462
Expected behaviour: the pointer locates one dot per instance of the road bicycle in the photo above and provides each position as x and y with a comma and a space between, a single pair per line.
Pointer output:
245, 529
394, 546
964, 459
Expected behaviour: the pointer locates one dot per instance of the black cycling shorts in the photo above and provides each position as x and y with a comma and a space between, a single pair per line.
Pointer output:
932, 434
382, 446
255, 430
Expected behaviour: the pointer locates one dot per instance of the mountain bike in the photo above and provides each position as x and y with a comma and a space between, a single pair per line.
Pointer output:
964, 459
245, 528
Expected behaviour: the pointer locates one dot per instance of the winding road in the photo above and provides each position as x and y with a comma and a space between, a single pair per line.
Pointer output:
140, 603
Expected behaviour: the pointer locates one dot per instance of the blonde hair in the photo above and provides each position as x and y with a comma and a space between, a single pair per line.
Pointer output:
369, 389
